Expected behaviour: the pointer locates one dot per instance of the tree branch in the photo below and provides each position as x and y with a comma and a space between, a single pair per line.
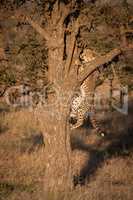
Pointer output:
71, 46
70, 54
65, 10
72, 43
38, 28
34, 24
60, 12
93, 65
55, 17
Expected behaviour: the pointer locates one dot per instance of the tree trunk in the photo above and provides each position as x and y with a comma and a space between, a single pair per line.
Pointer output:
55, 60
58, 180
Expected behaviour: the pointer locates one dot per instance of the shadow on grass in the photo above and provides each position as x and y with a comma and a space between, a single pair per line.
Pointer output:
32, 143
119, 144
7, 188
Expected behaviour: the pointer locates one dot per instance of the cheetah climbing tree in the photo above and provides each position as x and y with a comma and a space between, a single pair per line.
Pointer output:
61, 32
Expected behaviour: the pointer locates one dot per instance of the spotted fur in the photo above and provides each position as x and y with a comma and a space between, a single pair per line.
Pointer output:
82, 104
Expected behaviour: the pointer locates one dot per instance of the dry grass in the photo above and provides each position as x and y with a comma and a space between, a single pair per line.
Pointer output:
22, 163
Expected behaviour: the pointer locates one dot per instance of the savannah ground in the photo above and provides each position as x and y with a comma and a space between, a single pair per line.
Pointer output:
22, 161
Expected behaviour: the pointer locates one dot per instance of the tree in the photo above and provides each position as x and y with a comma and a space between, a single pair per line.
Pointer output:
63, 28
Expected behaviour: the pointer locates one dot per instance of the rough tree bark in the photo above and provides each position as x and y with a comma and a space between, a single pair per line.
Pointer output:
63, 74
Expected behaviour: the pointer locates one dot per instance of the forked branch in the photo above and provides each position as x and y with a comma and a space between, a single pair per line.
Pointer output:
60, 12
93, 65
66, 10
